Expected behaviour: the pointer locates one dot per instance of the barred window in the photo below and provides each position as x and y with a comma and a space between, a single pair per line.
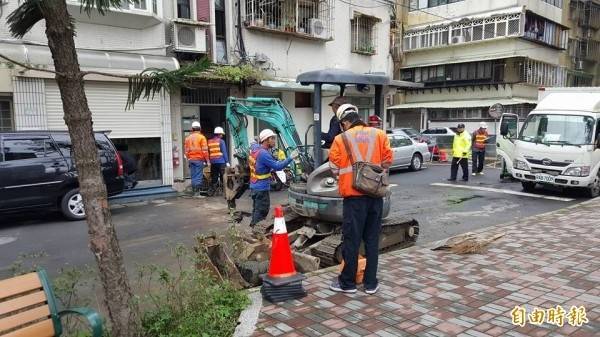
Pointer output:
363, 32
6, 117
311, 19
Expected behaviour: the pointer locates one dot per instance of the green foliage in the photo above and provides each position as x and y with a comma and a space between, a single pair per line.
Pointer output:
152, 80
188, 302
238, 74
22, 19
26, 263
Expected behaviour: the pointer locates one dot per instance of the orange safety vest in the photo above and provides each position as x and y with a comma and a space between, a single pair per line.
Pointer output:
367, 144
254, 176
195, 147
480, 139
214, 148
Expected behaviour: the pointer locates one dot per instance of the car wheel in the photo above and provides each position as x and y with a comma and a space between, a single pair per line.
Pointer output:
528, 186
416, 162
71, 205
594, 190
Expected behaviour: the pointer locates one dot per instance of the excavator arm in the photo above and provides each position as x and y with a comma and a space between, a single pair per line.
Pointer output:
273, 112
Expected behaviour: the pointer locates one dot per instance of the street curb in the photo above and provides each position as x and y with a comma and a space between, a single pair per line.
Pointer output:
249, 317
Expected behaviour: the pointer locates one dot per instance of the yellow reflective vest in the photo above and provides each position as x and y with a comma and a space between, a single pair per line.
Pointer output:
461, 144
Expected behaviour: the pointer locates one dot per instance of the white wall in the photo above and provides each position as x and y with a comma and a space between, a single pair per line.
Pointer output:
292, 55
150, 40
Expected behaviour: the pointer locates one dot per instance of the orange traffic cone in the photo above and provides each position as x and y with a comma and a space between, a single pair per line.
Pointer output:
436, 153
282, 282
443, 156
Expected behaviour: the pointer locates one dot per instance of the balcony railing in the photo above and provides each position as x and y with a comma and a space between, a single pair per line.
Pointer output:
542, 74
586, 13
311, 19
584, 49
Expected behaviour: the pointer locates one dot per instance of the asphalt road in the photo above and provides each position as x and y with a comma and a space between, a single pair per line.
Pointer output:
147, 229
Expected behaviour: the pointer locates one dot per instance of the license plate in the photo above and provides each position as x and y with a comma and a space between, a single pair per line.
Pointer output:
544, 178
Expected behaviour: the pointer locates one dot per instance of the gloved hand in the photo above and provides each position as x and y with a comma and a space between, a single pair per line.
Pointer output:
228, 165
295, 154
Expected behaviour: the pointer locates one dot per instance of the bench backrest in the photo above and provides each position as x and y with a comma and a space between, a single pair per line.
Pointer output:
27, 307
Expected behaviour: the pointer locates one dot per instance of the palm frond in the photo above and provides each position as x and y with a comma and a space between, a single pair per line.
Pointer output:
102, 6
152, 80
22, 19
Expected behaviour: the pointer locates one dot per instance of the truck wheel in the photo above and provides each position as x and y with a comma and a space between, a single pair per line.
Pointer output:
594, 190
71, 205
528, 186
416, 162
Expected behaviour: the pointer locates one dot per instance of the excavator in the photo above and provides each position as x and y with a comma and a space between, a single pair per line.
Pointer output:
313, 197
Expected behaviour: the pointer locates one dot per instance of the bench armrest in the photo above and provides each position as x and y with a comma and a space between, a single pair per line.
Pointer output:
90, 315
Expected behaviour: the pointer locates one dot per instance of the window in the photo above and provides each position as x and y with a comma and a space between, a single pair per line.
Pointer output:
555, 3
469, 31
312, 19
303, 100
420, 4
363, 33
220, 31
6, 117
64, 144
20, 149
184, 9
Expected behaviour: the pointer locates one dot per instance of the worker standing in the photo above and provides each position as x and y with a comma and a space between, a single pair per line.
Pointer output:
217, 151
361, 213
334, 124
480, 138
196, 152
261, 163
461, 147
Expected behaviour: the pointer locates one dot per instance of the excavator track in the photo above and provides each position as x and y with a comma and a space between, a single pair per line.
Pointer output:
396, 233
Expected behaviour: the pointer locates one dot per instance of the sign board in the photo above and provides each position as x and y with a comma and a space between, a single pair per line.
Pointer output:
496, 110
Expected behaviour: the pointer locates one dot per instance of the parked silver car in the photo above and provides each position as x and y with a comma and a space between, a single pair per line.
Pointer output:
407, 152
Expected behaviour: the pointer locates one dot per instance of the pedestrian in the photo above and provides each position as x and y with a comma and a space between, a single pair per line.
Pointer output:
129, 166
196, 152
461, 147
262, 162
217, 152
361, 213
334, 124
480, 138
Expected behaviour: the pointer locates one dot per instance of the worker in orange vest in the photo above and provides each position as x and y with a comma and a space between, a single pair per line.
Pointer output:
480, 138
217, 151
196, 152
362, 214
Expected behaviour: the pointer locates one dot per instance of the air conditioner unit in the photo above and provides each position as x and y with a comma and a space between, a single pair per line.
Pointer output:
318, 29
457, 39
189, 38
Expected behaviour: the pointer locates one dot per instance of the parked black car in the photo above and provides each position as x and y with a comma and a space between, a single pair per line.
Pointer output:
37, 171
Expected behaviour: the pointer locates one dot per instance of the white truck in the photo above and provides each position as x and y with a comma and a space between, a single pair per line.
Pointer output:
559, 142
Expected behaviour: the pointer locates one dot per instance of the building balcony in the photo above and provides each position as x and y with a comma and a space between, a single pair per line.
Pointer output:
585, 49
586, 13
144, 14
307, 19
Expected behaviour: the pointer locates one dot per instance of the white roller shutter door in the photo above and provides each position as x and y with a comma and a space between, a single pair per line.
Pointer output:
107, 102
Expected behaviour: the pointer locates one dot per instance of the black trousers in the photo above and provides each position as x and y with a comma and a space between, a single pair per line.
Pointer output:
464, 164
362, 222
216, 173
260, 205
478, 160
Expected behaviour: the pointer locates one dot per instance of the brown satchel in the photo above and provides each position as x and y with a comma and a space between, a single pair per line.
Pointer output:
367, 178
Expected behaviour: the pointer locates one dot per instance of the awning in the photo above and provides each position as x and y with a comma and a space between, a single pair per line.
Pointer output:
89, 59
467, 58
292, 85
464, 103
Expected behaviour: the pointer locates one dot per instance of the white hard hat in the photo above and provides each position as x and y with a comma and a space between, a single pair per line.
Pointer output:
219, 131
344, 110
266, 133
195, 124
483, 125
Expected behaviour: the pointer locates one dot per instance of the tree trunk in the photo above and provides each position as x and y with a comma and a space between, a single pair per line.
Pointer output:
118, 297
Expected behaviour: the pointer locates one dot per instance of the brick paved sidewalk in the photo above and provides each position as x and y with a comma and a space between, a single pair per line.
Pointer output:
543, 261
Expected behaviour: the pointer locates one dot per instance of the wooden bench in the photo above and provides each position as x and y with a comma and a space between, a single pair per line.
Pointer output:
28, 308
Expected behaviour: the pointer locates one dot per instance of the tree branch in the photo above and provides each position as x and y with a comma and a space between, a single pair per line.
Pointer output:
29, 67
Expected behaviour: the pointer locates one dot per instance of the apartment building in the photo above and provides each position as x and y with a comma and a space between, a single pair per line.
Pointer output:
125, 41
583, 57
472, 54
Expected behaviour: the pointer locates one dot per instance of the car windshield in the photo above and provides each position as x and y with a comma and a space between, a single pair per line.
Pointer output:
558, 129
411, 132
